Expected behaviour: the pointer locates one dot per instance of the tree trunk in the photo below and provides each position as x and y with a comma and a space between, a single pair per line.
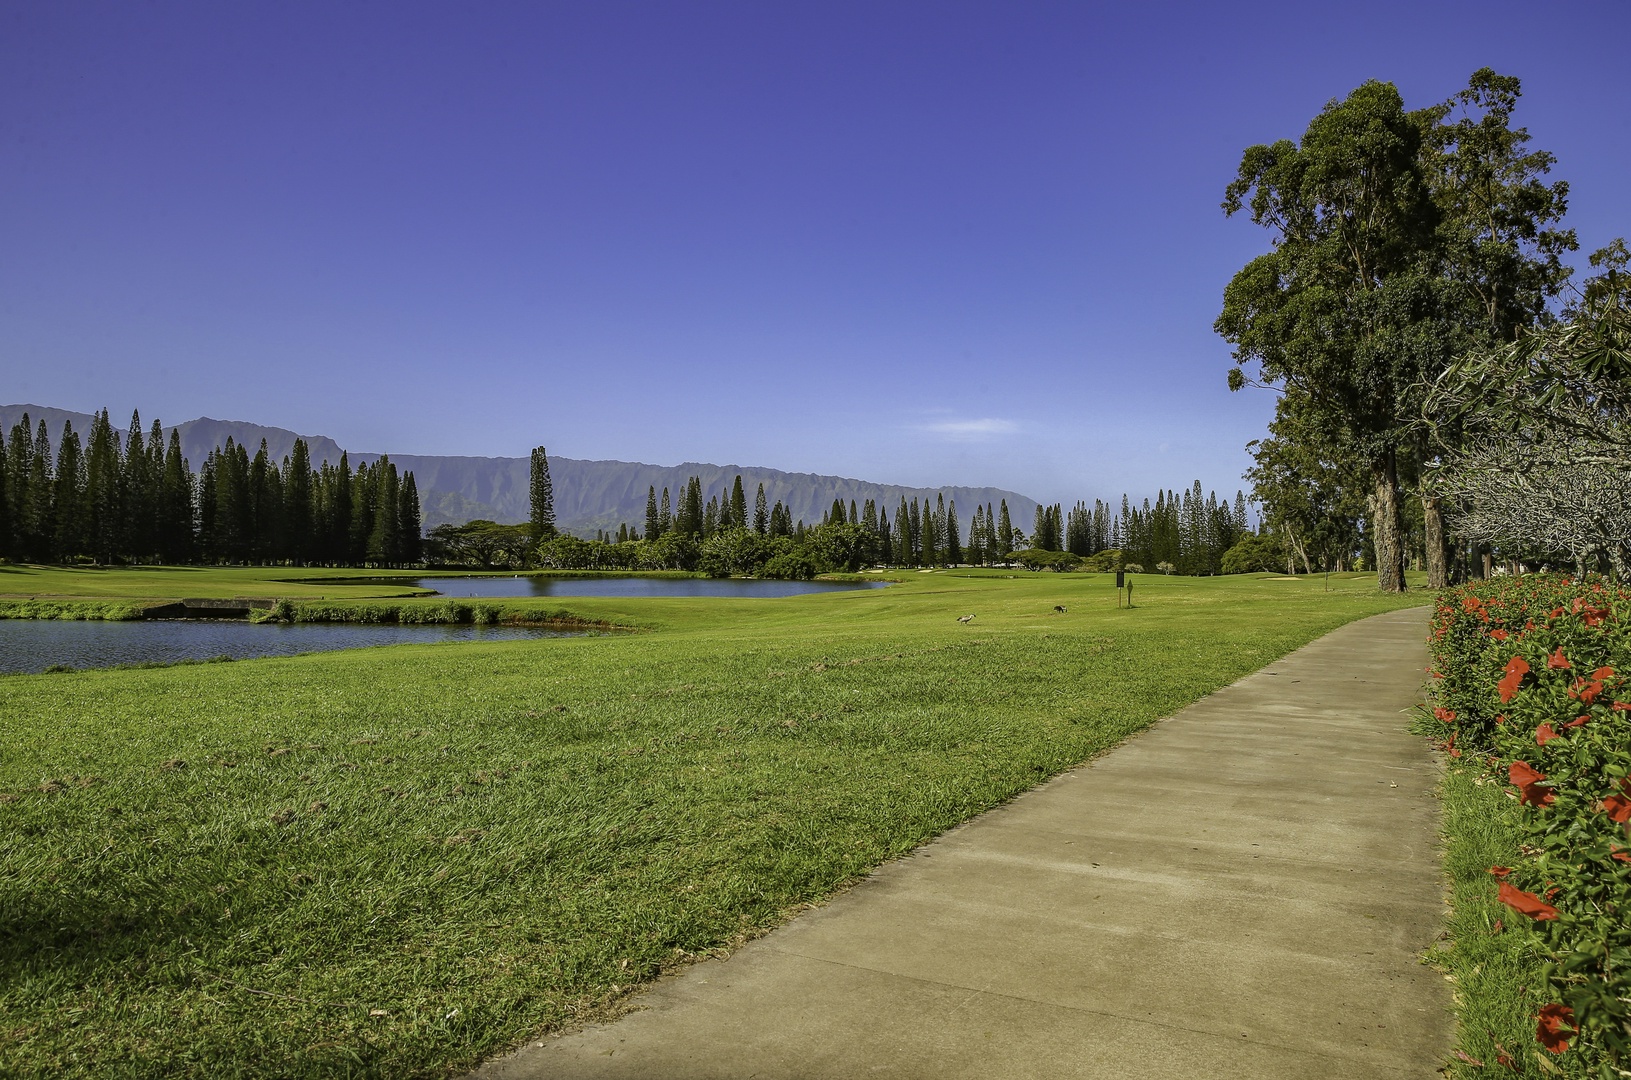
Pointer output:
1438, 566
1619, 559
1386, 528
1297, 552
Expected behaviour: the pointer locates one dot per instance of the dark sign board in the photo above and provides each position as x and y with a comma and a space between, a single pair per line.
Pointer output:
1121, 579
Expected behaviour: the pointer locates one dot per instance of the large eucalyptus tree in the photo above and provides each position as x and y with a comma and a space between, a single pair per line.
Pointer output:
1500, 247
1335, 310
1401, 239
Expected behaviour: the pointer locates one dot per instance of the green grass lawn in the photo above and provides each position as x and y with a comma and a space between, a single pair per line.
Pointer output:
18, 582
395, 862
1499, 983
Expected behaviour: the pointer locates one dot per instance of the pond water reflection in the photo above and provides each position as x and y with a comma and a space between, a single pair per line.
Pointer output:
32, 645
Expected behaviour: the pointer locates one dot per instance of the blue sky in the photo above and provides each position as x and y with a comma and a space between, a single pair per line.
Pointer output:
914, 243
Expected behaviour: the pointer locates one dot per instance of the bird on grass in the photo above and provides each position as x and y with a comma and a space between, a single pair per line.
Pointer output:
965, 618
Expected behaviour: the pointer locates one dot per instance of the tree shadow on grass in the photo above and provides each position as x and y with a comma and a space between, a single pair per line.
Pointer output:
68, 939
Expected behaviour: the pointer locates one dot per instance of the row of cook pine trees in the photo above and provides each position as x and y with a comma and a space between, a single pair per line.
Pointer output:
1188, 532
135, 499
920, 535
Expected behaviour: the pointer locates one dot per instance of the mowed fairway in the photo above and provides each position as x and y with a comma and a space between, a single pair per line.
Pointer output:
176, 582
395, 862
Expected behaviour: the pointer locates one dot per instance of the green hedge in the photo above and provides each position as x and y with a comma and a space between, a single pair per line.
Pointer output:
1528, 682
419, 612
81, 610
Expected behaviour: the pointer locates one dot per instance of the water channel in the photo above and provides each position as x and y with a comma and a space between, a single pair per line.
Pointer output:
32, 645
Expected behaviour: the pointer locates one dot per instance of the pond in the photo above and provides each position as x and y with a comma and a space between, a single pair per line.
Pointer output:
32, 645
529, 586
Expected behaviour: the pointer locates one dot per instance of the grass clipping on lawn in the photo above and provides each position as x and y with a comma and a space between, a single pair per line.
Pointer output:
396, 862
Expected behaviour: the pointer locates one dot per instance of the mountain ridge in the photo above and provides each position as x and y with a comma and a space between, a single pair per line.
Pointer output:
590, 494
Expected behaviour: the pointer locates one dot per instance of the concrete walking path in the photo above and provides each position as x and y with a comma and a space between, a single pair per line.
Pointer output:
1243, 890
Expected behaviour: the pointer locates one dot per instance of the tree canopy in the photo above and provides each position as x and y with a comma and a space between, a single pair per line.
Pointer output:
1401, 238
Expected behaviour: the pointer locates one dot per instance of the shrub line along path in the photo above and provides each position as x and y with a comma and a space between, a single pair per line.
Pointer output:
1245, 889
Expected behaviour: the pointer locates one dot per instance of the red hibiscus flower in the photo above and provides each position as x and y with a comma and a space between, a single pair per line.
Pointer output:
1555, 1028
1527, 781
1544, 734
1618, 808
1498, 634
1500, 871
1446, 715
1589, 614
1516, 669
1587, 689
1525, 903
1557, 659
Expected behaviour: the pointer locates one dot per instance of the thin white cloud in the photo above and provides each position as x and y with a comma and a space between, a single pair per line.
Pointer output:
970, 430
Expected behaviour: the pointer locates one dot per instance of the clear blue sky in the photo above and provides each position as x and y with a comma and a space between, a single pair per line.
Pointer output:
919, 243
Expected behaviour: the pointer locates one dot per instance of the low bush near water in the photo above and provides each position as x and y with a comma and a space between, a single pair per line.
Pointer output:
1530, 677
444, 613
109, 611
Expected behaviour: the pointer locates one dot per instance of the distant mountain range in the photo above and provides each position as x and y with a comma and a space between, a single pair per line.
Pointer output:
589, 495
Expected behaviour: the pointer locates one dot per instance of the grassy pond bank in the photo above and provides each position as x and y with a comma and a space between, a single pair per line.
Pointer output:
398, 861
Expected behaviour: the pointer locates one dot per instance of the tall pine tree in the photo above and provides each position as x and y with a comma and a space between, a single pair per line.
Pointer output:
542, 497
410, 525
103, 469
69, 498
5, 502
298, 503
739, 505
903, 535
654, 527
37, 514
385, 538
176, 507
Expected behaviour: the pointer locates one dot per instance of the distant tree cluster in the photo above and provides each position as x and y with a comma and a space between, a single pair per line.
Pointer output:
720, 535
253, 511
135, 499
482, 543
102, 499
1188, 532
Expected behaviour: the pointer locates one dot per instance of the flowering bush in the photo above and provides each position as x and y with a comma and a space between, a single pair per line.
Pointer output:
1534, 676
